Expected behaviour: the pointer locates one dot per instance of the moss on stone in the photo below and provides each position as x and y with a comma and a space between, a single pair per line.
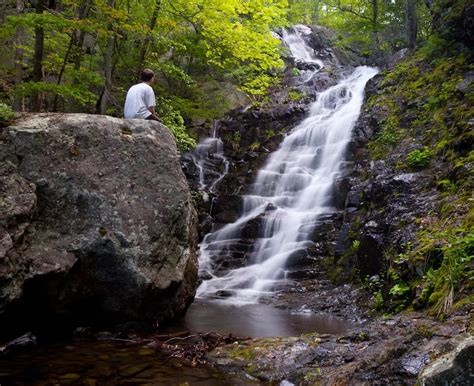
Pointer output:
425, 121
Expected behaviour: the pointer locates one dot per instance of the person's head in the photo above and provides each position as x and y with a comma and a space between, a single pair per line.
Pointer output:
147, 75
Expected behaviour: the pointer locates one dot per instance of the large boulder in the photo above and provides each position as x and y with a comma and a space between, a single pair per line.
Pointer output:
97, 225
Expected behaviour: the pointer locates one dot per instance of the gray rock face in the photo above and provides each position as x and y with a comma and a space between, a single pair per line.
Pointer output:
97, 224
454, 368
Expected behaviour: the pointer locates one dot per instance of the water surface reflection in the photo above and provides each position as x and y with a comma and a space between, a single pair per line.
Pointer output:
257, 320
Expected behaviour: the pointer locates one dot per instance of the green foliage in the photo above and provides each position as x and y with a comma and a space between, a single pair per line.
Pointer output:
400, 290
355, 245
363, 26
236, 139
419, 159
295, 72
175, 122
78, 94
254, 145
189, 44
434, 46
429, 86
295, 95
420, 100
447, 186
455, 270
6, 112
378, 301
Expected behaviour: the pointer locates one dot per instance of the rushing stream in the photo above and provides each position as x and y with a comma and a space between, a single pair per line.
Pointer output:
290, 193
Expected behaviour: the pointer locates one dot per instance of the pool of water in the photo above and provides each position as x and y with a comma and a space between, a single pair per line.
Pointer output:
121, 362
104, 363
258, 320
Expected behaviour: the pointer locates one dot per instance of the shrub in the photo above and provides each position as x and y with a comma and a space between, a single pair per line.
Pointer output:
6, 113
295, 95
174, 121
419, 159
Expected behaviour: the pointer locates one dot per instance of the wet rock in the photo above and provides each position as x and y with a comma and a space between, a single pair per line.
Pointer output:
453, 368
267, 359
466, 84
226, 208
299, 258
27, 339
395, 58
97, 225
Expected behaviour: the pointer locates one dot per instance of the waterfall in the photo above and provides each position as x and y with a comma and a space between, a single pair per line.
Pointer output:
208, 156
303, 54
298, 47
291, 191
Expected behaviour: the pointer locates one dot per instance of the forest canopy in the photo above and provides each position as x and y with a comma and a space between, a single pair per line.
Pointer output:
209, 55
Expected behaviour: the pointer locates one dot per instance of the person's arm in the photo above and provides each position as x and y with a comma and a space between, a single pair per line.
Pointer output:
150, 100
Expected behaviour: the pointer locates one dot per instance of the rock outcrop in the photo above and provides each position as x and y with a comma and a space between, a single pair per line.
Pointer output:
453, 368
97, 225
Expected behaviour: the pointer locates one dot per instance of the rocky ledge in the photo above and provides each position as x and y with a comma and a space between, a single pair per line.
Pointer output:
402, 350
97, 226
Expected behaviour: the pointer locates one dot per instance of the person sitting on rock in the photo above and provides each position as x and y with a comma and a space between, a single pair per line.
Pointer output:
140, 101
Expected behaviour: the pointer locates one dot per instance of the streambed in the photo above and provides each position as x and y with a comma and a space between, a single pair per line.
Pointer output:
106, 362
110, 359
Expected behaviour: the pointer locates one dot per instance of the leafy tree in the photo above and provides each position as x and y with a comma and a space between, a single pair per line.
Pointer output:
97, 47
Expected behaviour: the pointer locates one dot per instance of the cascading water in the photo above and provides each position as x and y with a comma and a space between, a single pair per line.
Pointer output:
291, 191
301, 52
208, 156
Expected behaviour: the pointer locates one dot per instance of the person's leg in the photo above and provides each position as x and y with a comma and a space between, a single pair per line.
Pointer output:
153, 117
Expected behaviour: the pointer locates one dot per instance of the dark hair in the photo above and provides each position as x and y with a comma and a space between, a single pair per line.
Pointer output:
147, 75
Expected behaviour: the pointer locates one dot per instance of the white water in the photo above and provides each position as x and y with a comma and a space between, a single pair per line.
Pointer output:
300, 51
298, 47
208, 156
291, 191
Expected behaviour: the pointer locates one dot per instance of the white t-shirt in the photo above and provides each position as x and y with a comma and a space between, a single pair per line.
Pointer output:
139, 98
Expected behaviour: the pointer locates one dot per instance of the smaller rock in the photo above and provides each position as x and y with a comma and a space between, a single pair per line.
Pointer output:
453, 368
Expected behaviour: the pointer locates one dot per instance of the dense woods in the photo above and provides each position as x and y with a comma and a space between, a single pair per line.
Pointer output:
81, 56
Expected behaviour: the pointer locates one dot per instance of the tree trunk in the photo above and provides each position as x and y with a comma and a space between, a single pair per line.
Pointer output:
74, 41
82, 14
411, 22
147, 41
38, 56
18, 57
108, 66
375, 22
316, 13
108, 69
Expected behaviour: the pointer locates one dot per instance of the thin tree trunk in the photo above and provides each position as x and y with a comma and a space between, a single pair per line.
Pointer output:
18, 57
38, 56
73, 42
316, 17
411, 22
83, 13
375, 22
147, 41
63, 68
108, 68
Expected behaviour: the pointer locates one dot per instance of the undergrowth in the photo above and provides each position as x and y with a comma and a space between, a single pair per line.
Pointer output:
427, 116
